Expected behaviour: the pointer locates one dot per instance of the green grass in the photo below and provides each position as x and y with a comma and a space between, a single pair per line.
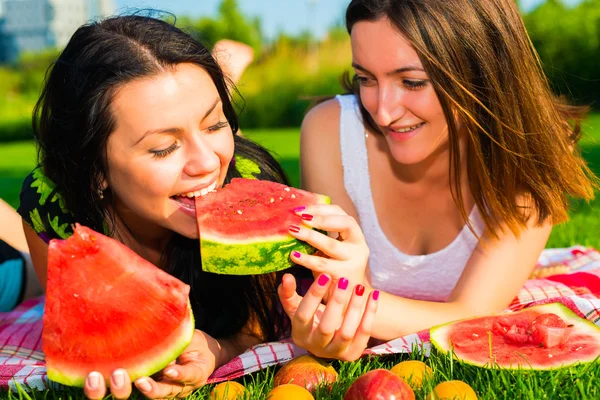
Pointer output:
17, 160
579, 382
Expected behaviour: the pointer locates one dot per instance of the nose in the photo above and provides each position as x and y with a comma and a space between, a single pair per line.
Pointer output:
201, 159
390, 106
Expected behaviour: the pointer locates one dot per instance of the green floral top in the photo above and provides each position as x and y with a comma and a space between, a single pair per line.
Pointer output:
44, 209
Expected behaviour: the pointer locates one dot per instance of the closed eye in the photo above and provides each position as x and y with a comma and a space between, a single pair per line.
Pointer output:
218, 126
164, 152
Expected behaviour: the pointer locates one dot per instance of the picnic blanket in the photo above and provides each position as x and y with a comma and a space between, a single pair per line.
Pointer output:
569, 275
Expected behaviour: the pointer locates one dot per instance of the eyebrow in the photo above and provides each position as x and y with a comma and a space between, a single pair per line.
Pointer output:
177, 130
394, 72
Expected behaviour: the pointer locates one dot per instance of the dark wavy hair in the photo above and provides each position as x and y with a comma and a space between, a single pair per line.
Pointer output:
72, 122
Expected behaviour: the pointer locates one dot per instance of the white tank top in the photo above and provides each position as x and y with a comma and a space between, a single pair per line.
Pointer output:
429, 277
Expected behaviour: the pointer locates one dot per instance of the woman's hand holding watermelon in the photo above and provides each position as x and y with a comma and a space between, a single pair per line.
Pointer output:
340, 329
343, 257
189, 372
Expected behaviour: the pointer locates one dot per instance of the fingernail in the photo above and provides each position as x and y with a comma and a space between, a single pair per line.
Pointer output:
359, 290
296, 254
171, 373
307, 217
143, 385
298, 209
375, 294
93, 380
294, 228
118, 378
323, 279
343, 283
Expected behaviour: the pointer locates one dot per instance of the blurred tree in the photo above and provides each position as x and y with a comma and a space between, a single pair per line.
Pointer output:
230, 23
568, 42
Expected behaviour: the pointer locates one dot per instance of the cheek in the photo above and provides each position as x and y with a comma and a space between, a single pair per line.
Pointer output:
368, 98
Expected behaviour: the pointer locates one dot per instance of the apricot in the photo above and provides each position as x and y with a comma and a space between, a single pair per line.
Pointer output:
227, 391
289, 391
307, 371
452, 390
412, 372
379, 384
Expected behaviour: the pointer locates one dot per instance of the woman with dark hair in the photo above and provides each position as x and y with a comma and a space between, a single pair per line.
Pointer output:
454, 156
134, 121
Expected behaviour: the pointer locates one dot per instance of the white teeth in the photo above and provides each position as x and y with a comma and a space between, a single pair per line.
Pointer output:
409, 128
201, 192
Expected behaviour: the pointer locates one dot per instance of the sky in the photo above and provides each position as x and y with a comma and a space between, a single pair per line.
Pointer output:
290, 16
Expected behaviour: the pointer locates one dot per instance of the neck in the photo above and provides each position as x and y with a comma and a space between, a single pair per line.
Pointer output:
149, 242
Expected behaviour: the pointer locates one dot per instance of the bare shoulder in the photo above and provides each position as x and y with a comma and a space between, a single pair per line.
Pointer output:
320, 156
325, 116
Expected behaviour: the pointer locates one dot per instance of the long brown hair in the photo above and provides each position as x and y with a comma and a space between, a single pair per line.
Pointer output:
485, 70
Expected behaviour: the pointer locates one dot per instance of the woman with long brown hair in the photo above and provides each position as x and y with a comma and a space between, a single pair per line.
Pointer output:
455, 157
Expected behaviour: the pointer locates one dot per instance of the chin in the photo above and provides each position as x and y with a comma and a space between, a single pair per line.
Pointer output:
408, 158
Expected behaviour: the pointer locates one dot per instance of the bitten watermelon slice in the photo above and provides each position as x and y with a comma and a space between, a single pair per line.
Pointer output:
540, 337
243, 227
108, 308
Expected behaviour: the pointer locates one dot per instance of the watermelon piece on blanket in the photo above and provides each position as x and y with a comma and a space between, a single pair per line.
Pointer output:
243, 227
540, 337
108, 308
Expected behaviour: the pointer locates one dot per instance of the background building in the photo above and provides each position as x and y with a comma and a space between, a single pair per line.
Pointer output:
34, 25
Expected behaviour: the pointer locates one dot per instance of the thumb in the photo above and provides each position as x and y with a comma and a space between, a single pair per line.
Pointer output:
290, 299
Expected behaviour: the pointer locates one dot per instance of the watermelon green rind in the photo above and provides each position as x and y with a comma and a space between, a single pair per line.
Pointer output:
439, 337
238, 252
247, 259
174, 345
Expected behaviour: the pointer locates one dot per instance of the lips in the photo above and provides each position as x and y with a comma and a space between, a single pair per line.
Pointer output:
188, 199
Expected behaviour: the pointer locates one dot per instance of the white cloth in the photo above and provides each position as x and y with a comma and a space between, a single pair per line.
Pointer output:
426, 277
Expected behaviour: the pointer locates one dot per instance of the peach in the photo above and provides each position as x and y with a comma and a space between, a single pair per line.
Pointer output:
289, 391
412, 372
307, 371
379, 384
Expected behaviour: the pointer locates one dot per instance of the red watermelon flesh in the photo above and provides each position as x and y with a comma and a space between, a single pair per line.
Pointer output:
243, 227
540, 337
108, 308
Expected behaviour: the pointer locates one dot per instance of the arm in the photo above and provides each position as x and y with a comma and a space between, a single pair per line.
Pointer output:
492, 278
38, 249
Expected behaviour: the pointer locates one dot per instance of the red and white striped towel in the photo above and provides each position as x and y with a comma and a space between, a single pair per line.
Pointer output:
21, 359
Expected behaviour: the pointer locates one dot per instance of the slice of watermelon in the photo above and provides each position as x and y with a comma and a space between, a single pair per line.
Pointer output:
108, 308
540, 337
243, 227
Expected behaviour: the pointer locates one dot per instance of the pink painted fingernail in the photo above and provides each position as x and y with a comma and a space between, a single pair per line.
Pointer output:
375, 294
294, 228
296, 254
323, 279
298, 209
143, 385
343, 284
307, 217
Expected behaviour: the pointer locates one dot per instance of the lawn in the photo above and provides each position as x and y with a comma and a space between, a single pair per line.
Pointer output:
17, 159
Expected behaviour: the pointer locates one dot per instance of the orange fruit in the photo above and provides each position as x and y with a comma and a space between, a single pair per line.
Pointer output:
412, 372
227, 391
289, 391
452, 390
